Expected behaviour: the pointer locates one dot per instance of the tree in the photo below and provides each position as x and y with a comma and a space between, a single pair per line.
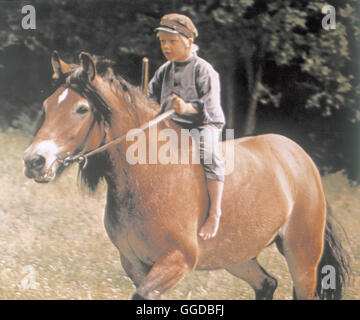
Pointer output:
285, 33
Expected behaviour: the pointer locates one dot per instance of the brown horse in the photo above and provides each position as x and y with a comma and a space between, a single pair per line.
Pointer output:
154, 211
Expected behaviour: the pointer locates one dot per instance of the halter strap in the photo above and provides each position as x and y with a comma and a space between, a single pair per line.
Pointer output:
82, 157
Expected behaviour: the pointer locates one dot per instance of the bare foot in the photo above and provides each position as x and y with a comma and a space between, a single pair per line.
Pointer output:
210, 227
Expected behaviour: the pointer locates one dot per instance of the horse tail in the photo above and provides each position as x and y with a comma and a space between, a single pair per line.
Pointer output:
336, 258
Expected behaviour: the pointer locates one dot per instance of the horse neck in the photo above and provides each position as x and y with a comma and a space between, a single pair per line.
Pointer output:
127, 113
130, 178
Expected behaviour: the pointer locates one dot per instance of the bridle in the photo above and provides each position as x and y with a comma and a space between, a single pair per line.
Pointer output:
82, 157
91, 94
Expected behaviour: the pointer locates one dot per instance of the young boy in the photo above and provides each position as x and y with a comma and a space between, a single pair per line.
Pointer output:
191, 86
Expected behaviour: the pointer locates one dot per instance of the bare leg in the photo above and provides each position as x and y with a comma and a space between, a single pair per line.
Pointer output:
211, 225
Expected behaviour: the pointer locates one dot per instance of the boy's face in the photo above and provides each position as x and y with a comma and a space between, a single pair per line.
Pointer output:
173, 48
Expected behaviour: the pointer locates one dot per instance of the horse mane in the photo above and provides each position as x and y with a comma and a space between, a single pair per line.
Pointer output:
133, 97
135, 101
91, 175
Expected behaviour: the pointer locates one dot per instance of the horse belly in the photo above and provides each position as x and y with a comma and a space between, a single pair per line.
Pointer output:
239, 243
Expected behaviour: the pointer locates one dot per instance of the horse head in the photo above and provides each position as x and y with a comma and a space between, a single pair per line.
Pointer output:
74, 119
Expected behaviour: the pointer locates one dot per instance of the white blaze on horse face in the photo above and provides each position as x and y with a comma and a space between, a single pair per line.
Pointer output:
63, 95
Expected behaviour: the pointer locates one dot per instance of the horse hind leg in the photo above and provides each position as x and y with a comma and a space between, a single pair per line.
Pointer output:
280, 246
263, 284
301, 243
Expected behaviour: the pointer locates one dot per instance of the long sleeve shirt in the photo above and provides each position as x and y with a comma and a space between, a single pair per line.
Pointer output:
196, 82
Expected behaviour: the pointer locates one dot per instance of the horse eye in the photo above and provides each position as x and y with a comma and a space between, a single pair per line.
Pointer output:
82, 109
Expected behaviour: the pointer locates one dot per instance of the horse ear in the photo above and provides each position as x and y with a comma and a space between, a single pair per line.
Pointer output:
88, 65
59, 66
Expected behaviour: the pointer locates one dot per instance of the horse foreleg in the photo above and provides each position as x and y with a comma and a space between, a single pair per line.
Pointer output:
136, 270
165, 273
256, 276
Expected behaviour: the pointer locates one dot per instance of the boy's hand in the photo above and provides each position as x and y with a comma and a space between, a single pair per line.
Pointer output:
180, 106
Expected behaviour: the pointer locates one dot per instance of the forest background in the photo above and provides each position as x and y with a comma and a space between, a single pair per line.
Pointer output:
281, 71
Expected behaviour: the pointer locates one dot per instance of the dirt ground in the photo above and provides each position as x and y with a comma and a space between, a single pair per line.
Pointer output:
54, 245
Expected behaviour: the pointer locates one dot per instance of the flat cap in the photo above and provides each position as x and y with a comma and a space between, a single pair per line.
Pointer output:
178, 23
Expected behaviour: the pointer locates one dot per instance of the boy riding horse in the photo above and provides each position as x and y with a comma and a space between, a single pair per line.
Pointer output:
190, 85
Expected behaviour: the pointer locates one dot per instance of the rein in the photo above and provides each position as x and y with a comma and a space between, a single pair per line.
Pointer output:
90, 92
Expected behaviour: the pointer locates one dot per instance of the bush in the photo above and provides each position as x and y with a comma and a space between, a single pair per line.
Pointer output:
23, 121
24, 124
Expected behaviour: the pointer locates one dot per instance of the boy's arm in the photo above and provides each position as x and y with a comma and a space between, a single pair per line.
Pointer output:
154, 88
155, 84
208, 88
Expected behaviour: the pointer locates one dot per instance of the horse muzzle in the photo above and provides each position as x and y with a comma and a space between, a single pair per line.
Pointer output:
41, 163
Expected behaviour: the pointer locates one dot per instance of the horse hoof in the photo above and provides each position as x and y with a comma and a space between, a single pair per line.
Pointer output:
136, 296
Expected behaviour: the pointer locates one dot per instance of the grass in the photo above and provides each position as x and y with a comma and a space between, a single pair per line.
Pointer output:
54, 245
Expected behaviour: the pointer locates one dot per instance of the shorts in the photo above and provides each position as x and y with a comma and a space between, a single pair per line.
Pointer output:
207, 138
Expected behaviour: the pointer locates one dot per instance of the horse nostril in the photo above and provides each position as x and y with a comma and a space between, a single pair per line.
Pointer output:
36, 162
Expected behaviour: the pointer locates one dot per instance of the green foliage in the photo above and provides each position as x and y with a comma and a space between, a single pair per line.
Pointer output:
24, 123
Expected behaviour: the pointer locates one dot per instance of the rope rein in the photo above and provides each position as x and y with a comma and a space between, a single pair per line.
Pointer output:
82, 158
